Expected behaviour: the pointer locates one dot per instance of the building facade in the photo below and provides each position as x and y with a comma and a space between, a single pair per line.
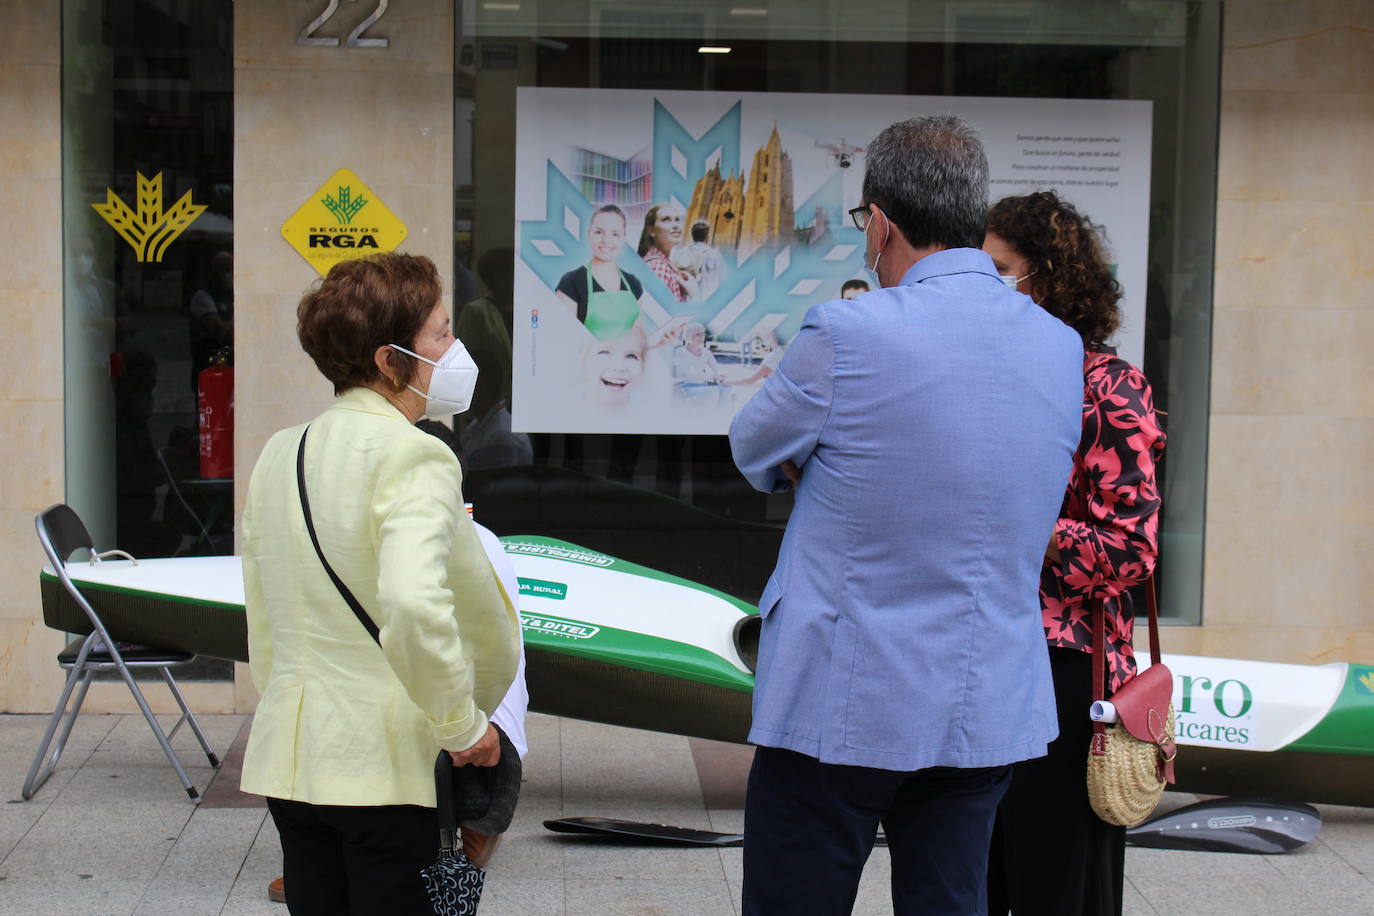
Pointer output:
1259, 313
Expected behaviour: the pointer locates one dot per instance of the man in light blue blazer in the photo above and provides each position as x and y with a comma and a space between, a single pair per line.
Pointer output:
928, 429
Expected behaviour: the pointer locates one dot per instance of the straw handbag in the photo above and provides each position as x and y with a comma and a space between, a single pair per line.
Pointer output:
1130, 762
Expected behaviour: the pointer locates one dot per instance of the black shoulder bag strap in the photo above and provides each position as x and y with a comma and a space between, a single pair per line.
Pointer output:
353, 604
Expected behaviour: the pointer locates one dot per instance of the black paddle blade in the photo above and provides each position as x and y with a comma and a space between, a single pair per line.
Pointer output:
651, 834
1251, 825
639, 831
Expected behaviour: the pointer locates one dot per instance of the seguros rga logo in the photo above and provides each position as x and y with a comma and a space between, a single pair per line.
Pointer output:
343, 219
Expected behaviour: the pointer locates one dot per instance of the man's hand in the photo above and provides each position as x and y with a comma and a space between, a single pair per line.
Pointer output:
485, 753
789, 467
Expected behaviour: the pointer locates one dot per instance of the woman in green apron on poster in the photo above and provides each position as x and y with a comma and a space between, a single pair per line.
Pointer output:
604, 297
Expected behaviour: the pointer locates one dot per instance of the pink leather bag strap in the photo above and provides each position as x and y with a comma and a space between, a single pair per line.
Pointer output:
1100, 639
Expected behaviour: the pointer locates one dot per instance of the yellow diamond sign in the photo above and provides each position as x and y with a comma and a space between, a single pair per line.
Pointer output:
340, 221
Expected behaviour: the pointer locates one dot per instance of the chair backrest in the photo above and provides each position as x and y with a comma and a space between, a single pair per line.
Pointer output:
62, 533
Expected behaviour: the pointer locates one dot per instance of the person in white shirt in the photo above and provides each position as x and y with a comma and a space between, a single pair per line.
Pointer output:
699, 261
697, 377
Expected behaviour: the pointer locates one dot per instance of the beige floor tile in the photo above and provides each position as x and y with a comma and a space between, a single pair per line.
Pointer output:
639, 896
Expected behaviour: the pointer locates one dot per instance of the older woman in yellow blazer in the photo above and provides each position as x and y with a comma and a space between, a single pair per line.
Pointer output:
346, 731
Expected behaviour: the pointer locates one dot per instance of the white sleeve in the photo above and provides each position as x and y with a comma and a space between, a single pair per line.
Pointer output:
510, 715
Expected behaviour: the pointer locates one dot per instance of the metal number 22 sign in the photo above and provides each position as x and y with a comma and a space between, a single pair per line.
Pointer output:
308, 36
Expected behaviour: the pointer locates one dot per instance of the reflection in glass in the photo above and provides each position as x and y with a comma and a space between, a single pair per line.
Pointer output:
677, 502
147, 127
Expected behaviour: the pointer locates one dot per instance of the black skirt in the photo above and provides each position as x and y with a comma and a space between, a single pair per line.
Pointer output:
1050, 853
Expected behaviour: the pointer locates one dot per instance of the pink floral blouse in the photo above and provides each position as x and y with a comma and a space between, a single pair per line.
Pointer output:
1108, 528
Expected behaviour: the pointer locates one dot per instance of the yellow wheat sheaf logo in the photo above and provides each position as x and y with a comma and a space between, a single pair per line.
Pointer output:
1368, 680
150, 230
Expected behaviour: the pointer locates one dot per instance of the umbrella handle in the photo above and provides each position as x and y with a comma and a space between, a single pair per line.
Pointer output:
443, 798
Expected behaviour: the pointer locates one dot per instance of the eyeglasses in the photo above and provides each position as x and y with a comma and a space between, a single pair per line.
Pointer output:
860, 216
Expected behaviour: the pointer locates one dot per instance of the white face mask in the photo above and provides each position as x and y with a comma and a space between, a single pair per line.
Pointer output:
452, 383
873, 271
1011, 282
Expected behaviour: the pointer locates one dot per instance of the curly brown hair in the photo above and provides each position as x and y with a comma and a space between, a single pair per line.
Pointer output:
1070, 277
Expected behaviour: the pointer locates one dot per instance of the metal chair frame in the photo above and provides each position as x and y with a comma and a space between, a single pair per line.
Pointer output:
62, 533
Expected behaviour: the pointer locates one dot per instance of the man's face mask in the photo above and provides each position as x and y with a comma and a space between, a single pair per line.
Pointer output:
887, 232
452, 383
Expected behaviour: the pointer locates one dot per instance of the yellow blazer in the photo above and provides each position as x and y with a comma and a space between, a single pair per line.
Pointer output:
340, 721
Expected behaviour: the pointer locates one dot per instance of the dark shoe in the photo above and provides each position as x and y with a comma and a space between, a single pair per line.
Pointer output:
479, 847
276, 890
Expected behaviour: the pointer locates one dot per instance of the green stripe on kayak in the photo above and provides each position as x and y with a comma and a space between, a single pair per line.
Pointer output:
1346, 728
631, 650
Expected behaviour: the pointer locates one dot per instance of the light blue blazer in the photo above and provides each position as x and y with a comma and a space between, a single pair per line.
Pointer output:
935, 424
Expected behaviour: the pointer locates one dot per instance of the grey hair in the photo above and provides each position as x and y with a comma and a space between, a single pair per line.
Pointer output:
691, 328
930, 176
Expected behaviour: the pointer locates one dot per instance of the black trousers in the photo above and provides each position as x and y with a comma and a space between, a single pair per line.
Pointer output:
1051, 855
809, 827
361, 861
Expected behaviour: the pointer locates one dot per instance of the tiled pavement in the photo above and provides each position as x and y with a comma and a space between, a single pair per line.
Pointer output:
112, 832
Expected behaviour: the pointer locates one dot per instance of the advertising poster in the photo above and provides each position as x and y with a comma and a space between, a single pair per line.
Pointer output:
669, 244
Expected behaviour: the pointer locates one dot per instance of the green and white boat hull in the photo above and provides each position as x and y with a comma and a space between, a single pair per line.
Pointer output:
615, 642
611, 641
1296, 732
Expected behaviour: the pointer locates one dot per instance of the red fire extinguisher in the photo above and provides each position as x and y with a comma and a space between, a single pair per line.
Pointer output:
215, 403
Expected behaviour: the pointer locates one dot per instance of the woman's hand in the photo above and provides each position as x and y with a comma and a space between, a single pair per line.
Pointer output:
485, 753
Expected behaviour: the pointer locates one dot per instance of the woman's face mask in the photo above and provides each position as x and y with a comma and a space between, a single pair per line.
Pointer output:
450, 385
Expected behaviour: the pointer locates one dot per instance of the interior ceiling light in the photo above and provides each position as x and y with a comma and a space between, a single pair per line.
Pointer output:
511, 7
748, 11
712, 49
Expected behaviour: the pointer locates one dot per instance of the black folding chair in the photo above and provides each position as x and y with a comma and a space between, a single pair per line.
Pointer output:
62, 533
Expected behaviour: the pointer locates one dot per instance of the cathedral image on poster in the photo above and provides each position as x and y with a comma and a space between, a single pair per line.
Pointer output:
746, 217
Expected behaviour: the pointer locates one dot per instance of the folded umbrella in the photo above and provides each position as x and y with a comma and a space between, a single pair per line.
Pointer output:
454, 883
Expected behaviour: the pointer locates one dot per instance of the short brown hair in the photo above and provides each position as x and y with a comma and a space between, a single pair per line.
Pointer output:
364, 304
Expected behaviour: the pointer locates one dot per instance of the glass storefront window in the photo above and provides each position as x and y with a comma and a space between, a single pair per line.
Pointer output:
147, 116
675, 501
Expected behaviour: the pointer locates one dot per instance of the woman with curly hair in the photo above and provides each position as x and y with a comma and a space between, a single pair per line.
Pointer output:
1050, 853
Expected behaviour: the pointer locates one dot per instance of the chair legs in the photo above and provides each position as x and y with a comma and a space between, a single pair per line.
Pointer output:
161, 736
41, 769
188, 717
37, 776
